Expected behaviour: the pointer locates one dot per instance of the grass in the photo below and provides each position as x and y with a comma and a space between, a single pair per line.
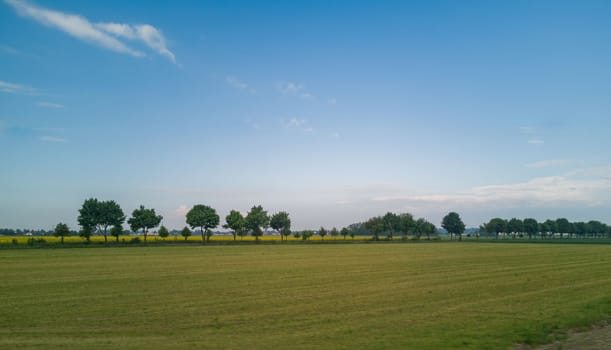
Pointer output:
365, 296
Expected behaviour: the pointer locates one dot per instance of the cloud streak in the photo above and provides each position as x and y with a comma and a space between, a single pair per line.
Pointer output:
238, 84
52, 139
549, 163
548, 191
105, 35
295, 89
13, 88
49, 104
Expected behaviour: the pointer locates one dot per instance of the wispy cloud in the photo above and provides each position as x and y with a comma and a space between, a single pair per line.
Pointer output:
52, 139
551, 191
536, 141
9, 50
105, 35
296, 123
13, 88
49, 104
238, 84
549, 163
295, 89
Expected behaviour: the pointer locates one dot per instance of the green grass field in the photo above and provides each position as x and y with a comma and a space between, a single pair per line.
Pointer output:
342, 296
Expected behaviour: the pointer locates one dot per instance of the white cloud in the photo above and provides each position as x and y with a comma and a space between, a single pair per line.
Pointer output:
13, 88
105, 35
536, 141
295, 89
236, 83
549, 163
332, 101
9, 50
181, 211
49, 104
296, 123
549, 191
52, 139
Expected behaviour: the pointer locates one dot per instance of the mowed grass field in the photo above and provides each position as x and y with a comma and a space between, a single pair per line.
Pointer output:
342, 296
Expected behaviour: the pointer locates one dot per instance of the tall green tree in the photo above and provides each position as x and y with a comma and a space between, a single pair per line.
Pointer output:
185, 232
453, 224
406, 224
334, 232
236, 223
281, 223
531, 227
205, 218
496, 226
563, 226
89, 217
61, 230
97, 215
376, 226
344, 232
256, 220
515, 226
111, 215
322, 233
392, 224
144, 219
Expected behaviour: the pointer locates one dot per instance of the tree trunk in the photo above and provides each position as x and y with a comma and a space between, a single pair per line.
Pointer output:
62, 239
202, 232
144, 231
105, 238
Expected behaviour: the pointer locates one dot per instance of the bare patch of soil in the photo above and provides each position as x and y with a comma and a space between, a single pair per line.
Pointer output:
596, 338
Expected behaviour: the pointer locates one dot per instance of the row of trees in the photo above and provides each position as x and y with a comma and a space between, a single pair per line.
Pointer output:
548, 228
107, 217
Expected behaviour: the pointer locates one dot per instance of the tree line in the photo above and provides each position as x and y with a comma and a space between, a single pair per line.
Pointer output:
107, 218
560, 227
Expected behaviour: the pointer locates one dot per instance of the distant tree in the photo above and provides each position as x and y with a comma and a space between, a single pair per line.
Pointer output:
376, 226
580, 229
322, 233
496, 226
235, 222
531, 227
306, 234
429, 229
144, 219
453, 224
334, 233
281, 223
62, 230
515, 226
563, 226
344, 232
352, 234
297, 234
185, 232
549, 227
596, 228
111, 214
116, 231
392, 224
256, 220
205, 218
89, 217
163, 232
406, 224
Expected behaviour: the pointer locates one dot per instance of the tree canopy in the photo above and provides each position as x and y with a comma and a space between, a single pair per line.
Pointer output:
453, 224
205, 218
256, 220
144, 219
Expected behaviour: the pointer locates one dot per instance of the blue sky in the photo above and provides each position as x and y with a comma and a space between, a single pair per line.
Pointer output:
334, 111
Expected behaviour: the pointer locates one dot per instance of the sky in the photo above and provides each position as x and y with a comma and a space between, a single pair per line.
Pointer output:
334, 111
